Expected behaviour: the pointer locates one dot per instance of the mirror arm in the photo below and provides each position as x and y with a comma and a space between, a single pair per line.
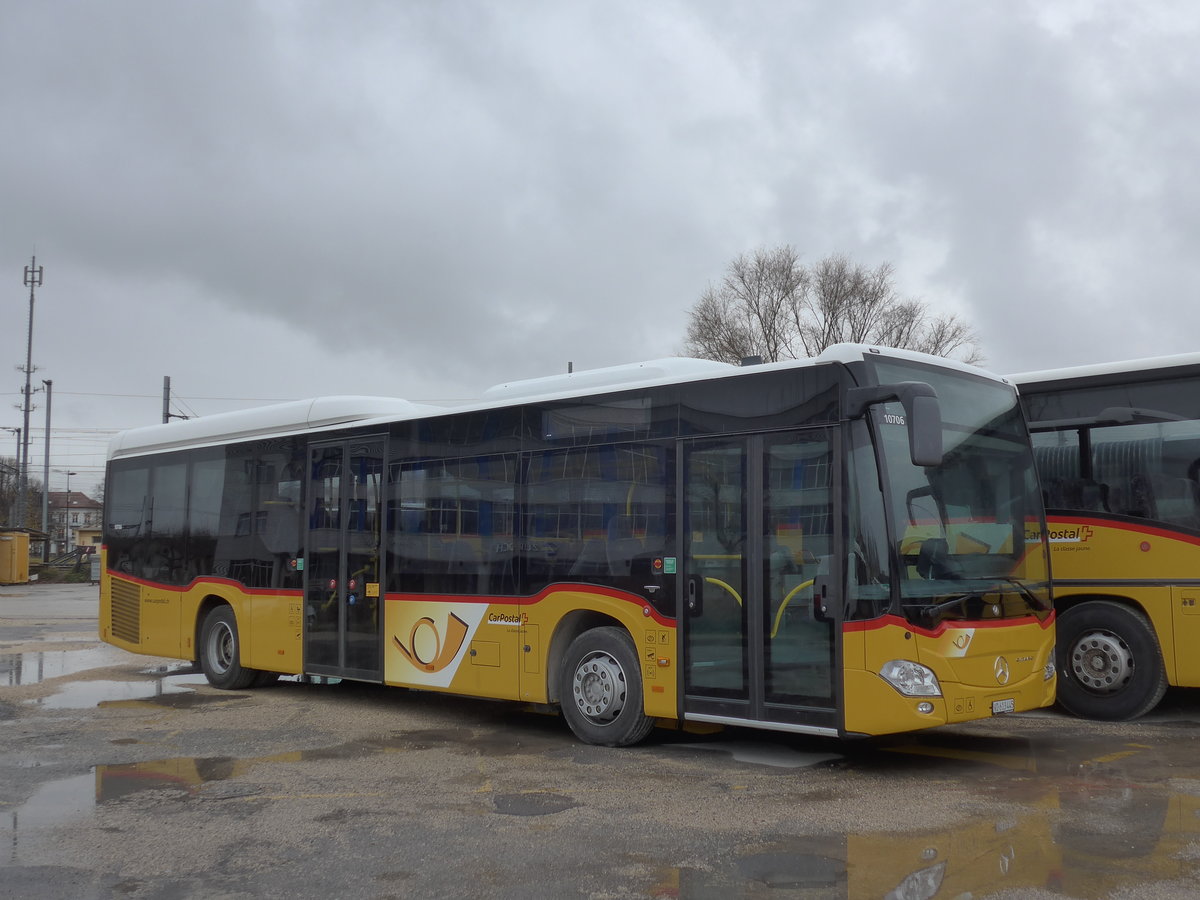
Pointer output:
922, 415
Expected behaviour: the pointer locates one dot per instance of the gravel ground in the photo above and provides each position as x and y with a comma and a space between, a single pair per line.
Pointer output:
127, 776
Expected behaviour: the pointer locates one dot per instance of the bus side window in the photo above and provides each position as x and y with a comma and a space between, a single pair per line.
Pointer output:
127, 515
451, 525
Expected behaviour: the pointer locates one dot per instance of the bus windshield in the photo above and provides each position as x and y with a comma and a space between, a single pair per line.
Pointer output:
968, 534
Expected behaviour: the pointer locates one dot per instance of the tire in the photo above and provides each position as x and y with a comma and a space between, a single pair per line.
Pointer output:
601, 689
1109, 663
221, 650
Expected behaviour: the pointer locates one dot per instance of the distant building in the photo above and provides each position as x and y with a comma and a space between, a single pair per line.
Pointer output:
74, 521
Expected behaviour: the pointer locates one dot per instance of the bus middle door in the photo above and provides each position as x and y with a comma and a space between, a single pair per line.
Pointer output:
758, 529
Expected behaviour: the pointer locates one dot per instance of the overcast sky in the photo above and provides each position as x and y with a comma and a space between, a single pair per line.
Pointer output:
270, 201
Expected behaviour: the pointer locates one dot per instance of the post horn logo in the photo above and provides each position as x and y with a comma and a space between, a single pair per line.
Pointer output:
1001, 670
418, 650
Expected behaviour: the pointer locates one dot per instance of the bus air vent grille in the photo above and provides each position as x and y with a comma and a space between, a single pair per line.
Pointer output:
126, 611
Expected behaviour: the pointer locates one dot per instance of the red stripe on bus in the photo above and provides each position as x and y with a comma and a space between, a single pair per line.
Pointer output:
559, 587
893, 621
1123, 525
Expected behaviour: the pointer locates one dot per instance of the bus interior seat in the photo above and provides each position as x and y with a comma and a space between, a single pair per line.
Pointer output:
1093, 495
1176, 499
1140, 498
622, 545
1075, 493
591, 560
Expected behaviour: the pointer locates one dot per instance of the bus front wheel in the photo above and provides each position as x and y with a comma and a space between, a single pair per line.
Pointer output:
601, 689
220, 652
1109, 662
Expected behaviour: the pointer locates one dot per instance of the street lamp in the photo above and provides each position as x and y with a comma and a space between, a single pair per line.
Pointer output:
70, 531
67, 513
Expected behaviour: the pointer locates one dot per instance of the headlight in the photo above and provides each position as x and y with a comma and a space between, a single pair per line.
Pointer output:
910, 678
920, 885
1048, 672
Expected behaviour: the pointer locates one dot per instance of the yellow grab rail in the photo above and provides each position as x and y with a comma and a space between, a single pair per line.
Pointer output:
786, 600
719, 583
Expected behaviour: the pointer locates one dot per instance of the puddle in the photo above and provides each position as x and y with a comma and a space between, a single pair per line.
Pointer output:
1058, 847
89, 694
186, 776
56, 802
1077, 825
63, 801
761, 754
1078, 844
20, 669
533, 803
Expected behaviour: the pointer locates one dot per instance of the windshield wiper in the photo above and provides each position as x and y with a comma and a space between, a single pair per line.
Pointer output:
1030, 597
970, 604
933, 613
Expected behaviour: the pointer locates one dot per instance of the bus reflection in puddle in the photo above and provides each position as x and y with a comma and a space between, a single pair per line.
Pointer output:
89, 694
1066, 847
1080, 837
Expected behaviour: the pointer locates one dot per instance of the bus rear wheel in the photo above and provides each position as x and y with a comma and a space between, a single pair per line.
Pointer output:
1109, 663
220, 652
601, 689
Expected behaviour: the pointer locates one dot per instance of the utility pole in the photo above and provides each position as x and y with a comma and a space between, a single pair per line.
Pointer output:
33, 280
49, 386
16, 476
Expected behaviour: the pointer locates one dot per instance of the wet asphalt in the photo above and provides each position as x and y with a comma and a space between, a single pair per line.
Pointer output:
128, 776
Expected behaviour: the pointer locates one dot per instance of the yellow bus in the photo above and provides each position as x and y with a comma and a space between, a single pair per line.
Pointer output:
846, 545
1118, 450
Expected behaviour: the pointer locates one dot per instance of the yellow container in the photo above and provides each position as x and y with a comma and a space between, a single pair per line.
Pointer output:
14, 557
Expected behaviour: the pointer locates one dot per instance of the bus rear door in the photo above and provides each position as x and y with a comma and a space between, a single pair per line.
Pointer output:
343, 575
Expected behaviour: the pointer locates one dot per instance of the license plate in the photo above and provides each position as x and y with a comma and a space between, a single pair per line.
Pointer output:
1003, 706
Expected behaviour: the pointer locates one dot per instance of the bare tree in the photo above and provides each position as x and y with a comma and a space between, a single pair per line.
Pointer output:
10, 489
771, 305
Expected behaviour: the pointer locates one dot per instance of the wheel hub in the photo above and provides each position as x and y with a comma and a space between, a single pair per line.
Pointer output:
221, 646
1102, 662
599, 687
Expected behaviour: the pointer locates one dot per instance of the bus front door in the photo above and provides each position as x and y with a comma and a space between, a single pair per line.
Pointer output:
758, 528
343, 578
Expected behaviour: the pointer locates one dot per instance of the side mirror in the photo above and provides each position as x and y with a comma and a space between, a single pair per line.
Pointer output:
922, 415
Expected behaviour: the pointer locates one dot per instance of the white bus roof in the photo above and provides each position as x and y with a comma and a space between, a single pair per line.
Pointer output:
591, 381
328, 412
260, 421
1121, 367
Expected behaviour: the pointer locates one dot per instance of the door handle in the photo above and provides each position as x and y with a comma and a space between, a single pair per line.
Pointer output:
820, 607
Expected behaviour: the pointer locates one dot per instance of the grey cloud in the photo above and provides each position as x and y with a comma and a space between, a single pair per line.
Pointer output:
430, 198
